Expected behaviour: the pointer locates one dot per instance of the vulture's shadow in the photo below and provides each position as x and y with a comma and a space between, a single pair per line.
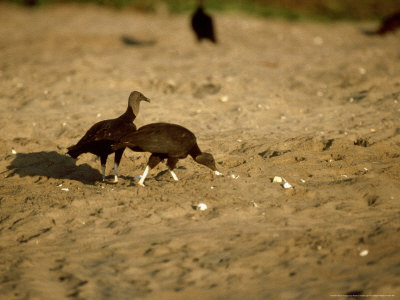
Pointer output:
52, 165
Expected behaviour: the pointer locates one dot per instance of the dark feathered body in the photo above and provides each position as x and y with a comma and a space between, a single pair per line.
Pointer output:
166, 141
163, 138
203, 25
99, 138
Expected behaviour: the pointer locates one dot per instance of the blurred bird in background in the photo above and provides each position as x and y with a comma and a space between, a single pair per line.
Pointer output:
202, 24
389, 24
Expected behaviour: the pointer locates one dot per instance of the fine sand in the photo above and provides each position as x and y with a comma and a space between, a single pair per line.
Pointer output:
314, 103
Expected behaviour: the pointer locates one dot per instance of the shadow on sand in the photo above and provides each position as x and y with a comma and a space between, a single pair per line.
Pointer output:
131, 41
52, 165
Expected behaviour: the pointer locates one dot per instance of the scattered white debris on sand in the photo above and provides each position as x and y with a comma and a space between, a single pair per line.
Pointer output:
201, 206
13, 151
254, 204
287, 185
278, 179
65, 189
364, 252
224, 99
282, 181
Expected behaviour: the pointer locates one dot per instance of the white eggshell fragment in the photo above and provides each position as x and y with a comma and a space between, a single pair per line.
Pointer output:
287, 185
201, 206
278, 179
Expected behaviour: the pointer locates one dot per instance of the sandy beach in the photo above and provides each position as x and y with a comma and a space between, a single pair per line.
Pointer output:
316, 104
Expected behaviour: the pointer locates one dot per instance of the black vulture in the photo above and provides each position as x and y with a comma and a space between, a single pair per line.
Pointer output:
165, 141
202, 24
99, 138
389, 24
